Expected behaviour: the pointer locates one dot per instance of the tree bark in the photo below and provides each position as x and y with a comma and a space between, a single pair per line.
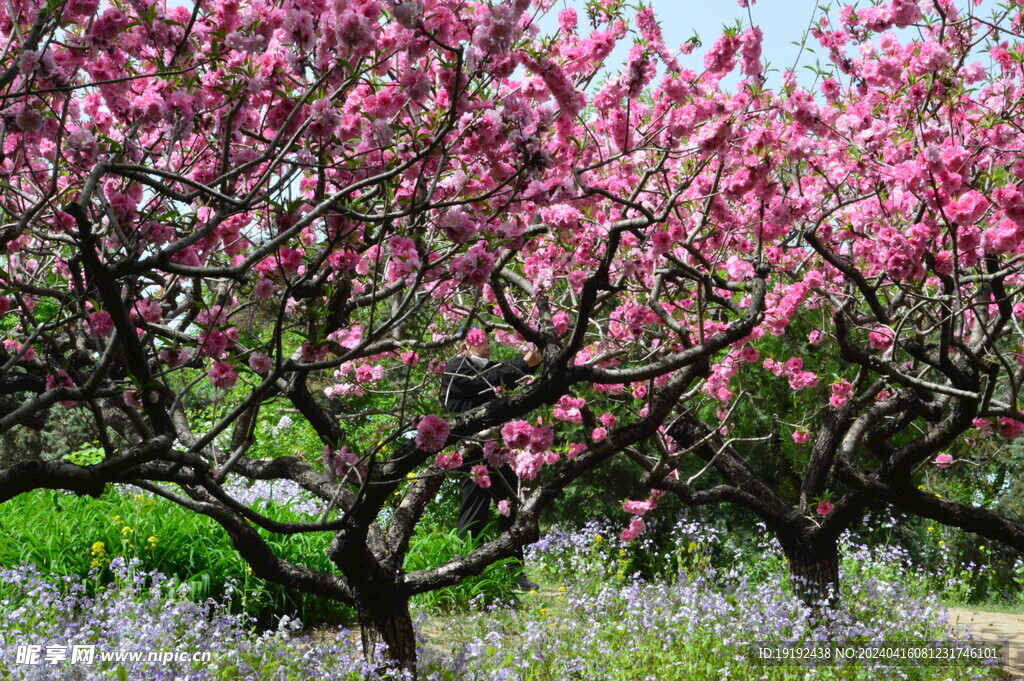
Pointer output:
384, 619
814, 570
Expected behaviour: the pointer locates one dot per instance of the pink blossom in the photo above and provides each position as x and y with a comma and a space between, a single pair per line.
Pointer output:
290, 260
824, 507
599, 434
1009, 428
1006, 237
841, 391
458, 225
80, 9
567, 20
223, 375
575, 449
639, 507
480, 476
635, 529
83, 145
570, 101
503, 508
175, 357
300, 27
516, 434
409, 14
904, 12
344, 463
101, 323
349, 338
311, 353
662, 242
260, 363
60, 380
801, 436
880, 338
476, 338
447, 461
474, 266
968, 208
214, 316
432, 433
405, 260
943, 460
541, 437
750, 51
528, 463
214, 344
263, 289
721, 58
148, 310
366, 373
107, 26
568, 409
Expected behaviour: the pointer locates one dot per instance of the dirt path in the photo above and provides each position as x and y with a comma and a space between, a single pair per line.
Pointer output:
994, 626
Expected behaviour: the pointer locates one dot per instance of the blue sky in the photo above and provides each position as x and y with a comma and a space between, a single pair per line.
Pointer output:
783, 22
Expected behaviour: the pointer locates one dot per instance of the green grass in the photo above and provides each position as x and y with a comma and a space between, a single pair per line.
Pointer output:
431, 547
68, 535
996, 606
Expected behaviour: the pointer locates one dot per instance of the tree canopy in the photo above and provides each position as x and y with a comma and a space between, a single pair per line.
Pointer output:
306, 205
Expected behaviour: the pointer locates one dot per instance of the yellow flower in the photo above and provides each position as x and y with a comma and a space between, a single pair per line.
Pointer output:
693, 546
622, 552
98, 548
152, 541
931, 529
598, 539
248, 570
125, 531
116, 518
942, 543
981, 548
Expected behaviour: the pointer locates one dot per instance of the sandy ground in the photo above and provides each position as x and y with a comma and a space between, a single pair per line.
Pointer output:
996, 626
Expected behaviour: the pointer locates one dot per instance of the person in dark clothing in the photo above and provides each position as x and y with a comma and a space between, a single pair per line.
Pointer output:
471, 380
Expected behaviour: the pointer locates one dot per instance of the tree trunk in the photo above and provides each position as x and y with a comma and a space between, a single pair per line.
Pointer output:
814, 571
384, 619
